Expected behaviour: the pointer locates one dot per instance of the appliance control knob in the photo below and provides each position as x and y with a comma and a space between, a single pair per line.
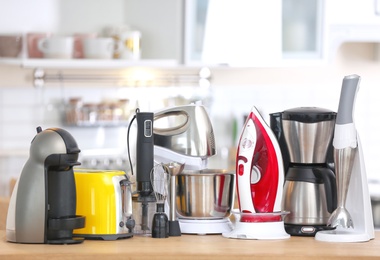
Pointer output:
255, 175
130, 224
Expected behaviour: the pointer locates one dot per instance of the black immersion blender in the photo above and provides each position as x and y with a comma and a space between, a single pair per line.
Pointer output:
144, 164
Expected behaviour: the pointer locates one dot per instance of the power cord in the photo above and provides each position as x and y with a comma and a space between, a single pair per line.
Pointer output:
129, 128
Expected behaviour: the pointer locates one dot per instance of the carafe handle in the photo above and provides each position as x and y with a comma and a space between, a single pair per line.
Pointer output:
329, 182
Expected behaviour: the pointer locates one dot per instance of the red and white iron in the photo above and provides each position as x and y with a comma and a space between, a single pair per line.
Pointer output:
259, 183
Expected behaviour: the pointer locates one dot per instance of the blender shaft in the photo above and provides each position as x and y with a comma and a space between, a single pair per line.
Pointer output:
344, 160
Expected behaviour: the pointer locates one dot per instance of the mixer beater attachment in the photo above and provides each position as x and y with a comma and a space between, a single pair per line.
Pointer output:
160, 182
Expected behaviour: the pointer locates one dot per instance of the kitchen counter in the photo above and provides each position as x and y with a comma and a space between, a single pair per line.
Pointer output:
193, 247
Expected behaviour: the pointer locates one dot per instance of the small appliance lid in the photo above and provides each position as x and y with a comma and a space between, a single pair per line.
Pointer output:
308, 114
71, 144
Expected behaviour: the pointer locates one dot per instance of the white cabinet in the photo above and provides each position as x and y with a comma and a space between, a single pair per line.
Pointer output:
353, 12
206, 32
233, 32
351, 21
253, 32
276, 32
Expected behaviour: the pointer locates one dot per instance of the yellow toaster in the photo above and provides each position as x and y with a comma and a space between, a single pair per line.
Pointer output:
105, 198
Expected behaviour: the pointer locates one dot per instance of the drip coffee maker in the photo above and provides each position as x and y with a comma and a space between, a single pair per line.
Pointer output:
305, 136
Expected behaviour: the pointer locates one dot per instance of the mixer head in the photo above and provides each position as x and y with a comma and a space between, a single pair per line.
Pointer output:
186, 130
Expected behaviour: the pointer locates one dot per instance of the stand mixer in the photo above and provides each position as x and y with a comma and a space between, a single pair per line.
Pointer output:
186, 137
353, 215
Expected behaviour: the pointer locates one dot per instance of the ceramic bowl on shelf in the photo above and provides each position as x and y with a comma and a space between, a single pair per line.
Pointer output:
10, 45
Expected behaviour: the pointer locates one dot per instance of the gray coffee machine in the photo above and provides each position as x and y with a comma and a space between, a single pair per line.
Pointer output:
305, 136
42, 208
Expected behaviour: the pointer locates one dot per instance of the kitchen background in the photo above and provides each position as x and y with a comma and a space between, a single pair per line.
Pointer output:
285, 67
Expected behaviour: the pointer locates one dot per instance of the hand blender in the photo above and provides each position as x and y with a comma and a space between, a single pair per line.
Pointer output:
144, 165
259, 180
353, 215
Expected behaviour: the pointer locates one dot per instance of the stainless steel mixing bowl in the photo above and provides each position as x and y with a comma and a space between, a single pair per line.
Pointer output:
205, 194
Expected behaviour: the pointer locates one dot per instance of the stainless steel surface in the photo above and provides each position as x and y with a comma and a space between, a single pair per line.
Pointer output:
302, 212
126, 198
42, 77
174, 169
206, 194
173, 208
308, 142
344, 160
187, 130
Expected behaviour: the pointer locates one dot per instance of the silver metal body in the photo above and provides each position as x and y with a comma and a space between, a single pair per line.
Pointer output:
186, 130
302, 213
207, 194
305, 194
308, 142
173, 208
344, 160
173, 169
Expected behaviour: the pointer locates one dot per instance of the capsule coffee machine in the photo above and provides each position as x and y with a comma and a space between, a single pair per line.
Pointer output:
42, 208
305, 136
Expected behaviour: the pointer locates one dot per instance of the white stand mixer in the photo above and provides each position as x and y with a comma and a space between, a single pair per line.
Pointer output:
188, 139
353, 216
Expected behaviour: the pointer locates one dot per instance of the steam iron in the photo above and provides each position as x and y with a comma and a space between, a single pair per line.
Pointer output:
353, 216
259, 183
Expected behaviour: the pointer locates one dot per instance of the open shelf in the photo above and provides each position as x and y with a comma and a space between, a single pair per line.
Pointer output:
86, 63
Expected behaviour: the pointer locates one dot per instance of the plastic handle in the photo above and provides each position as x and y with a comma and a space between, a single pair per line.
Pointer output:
350, 87
329, 181
178, 129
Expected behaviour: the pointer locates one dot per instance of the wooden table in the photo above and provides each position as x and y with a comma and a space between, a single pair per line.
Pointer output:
193, 247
